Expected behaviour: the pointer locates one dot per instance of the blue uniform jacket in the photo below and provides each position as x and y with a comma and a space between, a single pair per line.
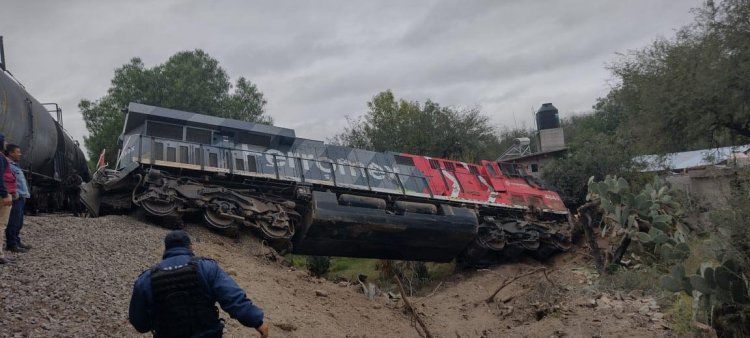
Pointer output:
22, 188
220, 286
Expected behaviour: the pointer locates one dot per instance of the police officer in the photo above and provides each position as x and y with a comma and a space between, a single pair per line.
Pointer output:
177, 297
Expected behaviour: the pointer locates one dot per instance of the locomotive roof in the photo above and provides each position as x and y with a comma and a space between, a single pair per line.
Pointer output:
138, 113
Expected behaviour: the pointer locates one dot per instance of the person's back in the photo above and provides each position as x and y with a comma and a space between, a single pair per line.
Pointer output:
177, 297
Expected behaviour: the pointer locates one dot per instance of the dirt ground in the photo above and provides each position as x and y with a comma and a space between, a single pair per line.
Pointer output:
77, 280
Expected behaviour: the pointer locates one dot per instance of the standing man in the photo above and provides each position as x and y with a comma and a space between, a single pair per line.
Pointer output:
15, 223
7, 190
177, 297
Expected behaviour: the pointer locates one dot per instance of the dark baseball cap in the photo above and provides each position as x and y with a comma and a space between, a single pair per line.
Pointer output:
176, 238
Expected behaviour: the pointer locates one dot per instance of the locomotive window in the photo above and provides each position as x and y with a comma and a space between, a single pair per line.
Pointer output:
254, 139
251, 164
449, 166
158, 151
403, 160
491, 170
164, 130
213, 159
197, 156
239, 164
184, 154
198, 135
473, 170
534, 167
434, 164
171, 154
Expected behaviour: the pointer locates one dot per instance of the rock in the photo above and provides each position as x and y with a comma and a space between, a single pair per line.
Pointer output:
343, 284
321, 293
377, 306
286, 326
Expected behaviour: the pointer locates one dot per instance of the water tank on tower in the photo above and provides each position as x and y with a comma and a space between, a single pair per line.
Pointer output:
547, 117
550, 134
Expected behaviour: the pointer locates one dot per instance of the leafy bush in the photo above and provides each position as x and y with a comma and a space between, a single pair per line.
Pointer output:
318, 265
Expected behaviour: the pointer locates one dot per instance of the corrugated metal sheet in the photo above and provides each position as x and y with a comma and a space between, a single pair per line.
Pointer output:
689, 159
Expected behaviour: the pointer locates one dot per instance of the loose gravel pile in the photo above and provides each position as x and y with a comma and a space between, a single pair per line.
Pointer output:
77, 279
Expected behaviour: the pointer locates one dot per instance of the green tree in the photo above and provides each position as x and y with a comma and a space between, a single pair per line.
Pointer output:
599, 146
190, 80
424, 129
691, 91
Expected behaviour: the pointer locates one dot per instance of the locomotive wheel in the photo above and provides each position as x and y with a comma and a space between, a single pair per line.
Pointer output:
158, 207
531, 239
217, 221
491, 237
271, 231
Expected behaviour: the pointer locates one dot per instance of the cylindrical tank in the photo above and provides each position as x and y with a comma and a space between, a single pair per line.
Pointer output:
547, 117
47, 149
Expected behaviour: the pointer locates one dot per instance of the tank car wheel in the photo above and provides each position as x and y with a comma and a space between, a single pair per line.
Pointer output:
158, 208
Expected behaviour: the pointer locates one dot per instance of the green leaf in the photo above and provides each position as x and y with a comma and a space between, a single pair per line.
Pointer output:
687, 285
682, 251
670, 284
643, 237
738, 291
660, 226
699, 284
678, 272
618, 215
632, 223
731, 265
622, 184
660, 239
666, 219
662, 191
722, 276
602, 189
708, 275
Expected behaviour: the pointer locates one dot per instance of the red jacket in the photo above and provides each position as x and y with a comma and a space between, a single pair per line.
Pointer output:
9, 178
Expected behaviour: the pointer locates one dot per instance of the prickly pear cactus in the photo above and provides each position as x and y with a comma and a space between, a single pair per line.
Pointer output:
649, 216
717, 287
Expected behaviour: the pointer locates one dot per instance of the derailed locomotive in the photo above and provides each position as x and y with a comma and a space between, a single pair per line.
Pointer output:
312, 198
53, 163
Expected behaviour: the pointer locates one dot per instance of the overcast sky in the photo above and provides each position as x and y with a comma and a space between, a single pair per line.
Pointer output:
319, 61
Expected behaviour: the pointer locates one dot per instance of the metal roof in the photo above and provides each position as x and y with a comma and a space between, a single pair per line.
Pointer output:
138, 113
689, 159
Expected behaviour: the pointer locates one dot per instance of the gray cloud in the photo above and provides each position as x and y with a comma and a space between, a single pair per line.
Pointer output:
318, 61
